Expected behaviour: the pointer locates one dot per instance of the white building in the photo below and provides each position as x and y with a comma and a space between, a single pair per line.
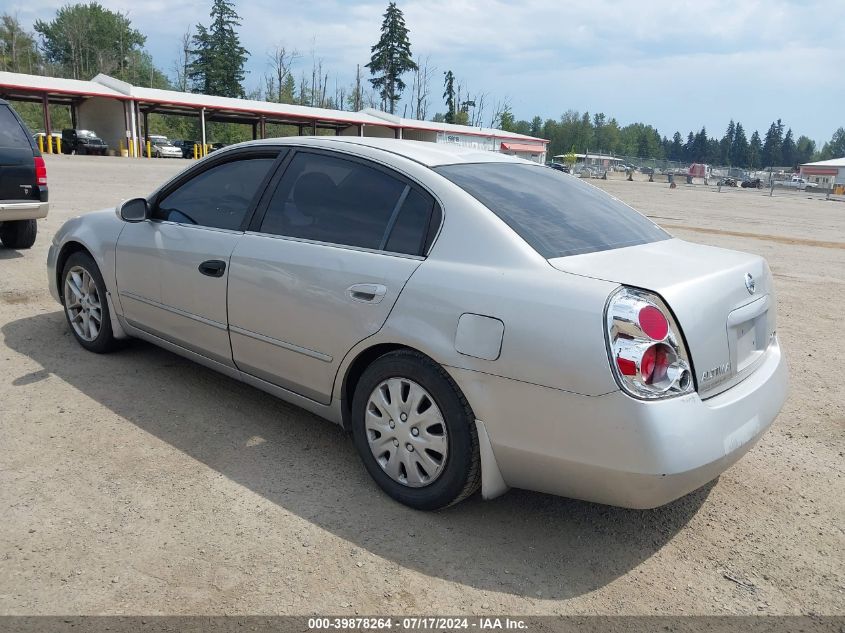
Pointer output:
827, 174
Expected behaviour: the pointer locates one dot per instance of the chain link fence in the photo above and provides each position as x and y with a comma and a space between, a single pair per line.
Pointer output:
776, 181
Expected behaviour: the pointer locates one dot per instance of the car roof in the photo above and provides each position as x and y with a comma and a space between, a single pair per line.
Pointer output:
426, 153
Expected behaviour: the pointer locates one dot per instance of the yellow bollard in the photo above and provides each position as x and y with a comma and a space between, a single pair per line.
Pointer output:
196, 151
41, 144
120, 146
50, 144
58, 145
149, 155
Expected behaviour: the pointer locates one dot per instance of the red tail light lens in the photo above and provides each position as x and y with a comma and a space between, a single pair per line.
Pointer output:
653, 322
40, 171
648, 355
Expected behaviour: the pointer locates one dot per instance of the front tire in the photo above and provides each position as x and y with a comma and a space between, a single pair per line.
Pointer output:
415, 431
84, 298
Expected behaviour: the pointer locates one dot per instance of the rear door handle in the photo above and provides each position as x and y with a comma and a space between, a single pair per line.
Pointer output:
366, 293
213, 268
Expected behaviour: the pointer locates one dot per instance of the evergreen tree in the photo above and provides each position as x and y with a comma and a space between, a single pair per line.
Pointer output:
676, 149
755, 151
391, 58
788, 149
726, 144
449, 96
536, 126
218, 57
773, 145
739, 148
688, 148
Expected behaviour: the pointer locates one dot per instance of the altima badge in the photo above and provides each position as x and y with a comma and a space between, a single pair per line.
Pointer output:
750, 284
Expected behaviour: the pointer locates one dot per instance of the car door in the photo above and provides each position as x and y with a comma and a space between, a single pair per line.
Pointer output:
328, 253
172, 269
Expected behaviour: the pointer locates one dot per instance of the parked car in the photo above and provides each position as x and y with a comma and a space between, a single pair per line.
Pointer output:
472, 319
186, 146
215, 146
161, 147
23, 182
560, 167
83, 142
752, 183
797, 183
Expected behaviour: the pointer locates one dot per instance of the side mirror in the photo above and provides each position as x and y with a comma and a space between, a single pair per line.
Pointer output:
134, 210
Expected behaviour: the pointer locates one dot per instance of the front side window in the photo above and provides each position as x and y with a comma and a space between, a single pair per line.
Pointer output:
557, 214
339, 201
219, 197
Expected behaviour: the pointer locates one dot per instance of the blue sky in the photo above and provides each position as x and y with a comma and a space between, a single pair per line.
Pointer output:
676, 64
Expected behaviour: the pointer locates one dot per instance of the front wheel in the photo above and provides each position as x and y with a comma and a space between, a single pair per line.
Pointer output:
415, 431
86, 304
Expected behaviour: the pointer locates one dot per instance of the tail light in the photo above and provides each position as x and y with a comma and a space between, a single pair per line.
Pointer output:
40, 171
647, 353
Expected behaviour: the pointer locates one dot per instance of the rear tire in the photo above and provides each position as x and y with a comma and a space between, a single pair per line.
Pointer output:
85, 300
433, 482
18, 234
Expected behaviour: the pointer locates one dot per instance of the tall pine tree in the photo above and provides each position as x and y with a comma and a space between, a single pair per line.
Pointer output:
739, 148
755, 151
391, 58
218, 61
449, 96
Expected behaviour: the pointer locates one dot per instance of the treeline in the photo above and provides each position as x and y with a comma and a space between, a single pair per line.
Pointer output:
85, 39
581, 133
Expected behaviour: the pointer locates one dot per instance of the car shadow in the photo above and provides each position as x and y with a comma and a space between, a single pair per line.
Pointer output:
523, 543
9, 253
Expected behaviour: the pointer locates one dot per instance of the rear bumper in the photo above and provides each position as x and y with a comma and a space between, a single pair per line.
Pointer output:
620, 451
11, 211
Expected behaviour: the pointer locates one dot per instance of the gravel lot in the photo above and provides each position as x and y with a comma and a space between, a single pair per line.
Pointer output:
141, 483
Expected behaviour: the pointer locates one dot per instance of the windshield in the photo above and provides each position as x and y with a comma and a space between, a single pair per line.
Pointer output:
160, 140
557, 214
86, 133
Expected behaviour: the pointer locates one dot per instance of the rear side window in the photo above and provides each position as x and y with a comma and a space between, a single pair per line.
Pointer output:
557, 214
338, 201
218, 197
12, 133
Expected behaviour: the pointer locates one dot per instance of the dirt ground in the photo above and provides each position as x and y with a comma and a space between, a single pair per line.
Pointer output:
141, 483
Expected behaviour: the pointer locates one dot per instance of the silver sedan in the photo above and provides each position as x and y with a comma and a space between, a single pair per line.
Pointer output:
472, 319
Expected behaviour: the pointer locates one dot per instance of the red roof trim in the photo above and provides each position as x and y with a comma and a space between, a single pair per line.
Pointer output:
66, 91
523, 147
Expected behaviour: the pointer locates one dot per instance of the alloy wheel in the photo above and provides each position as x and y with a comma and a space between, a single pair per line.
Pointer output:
83, 303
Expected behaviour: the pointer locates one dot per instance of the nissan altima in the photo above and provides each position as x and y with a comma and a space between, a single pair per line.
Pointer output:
473, 320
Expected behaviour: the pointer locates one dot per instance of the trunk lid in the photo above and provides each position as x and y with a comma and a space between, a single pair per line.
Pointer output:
727, 327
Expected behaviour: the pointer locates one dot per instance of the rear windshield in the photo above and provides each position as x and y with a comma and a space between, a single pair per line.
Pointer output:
11, 132
557, 214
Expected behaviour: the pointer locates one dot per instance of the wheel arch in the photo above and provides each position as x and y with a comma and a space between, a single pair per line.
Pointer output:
356, 369
68, 248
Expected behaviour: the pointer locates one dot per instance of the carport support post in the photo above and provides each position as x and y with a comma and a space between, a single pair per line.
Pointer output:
262, 127
45, 104
254, 130
314, 128
202, 126
73, 115
361, 130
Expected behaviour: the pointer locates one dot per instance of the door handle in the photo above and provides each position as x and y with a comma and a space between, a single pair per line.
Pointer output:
366, 293
213, 268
